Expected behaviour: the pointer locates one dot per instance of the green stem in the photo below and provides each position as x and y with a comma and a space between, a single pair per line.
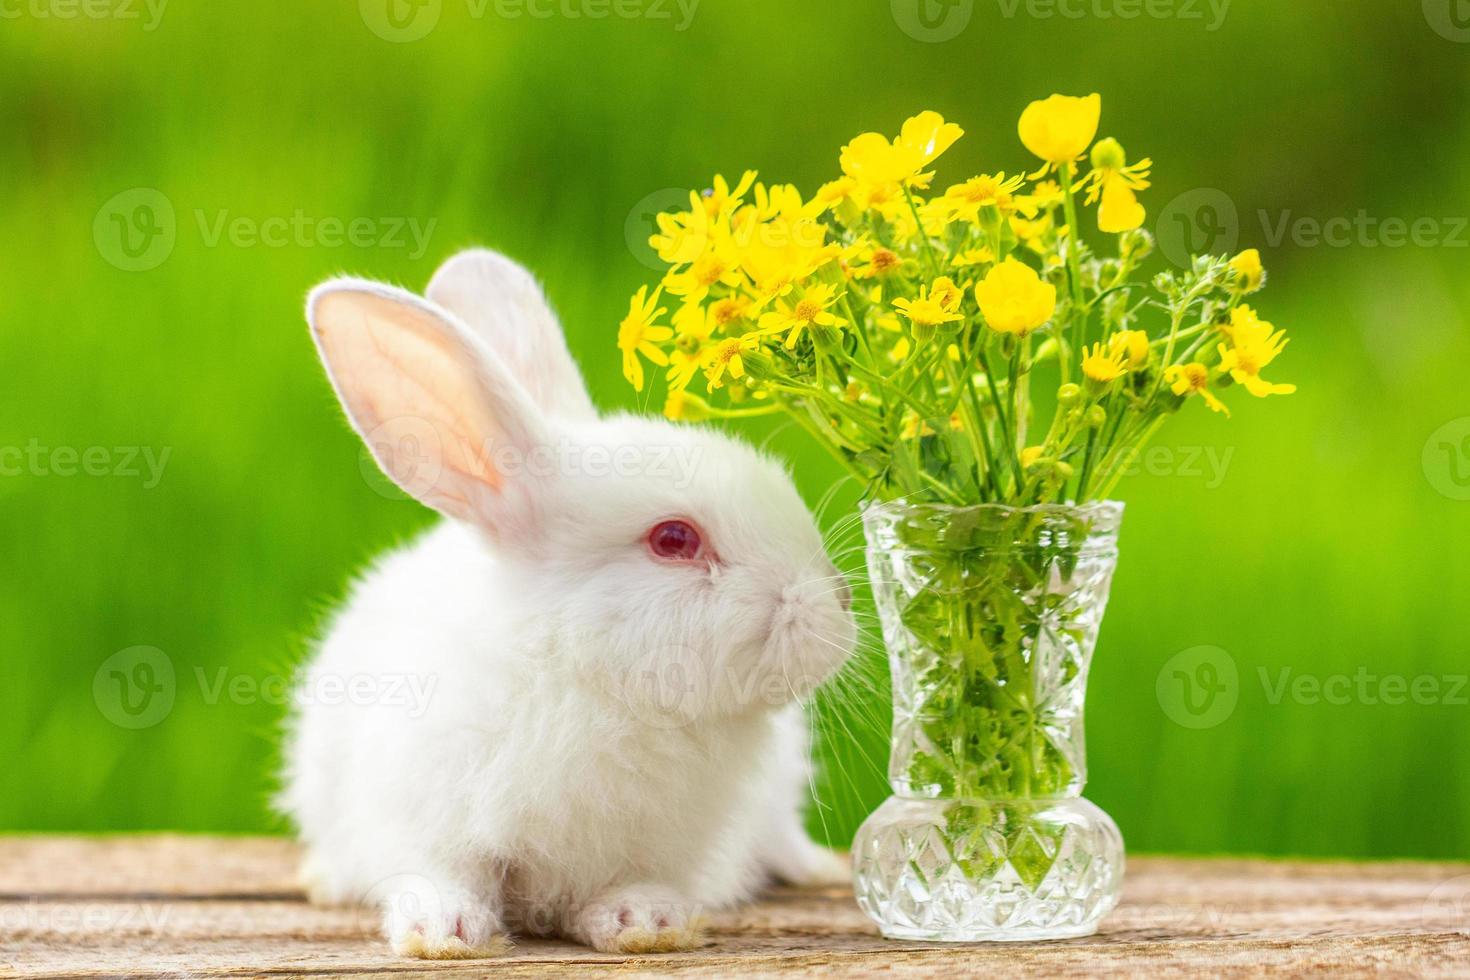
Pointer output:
1074, 268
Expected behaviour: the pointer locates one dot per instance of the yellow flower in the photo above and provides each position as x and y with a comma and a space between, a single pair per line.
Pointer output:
933, 306
693, 326
1013, 298
1189, 379
1255, 343
965, 201
1115, 182
1103, 366
948, 295
811, 310
720, 201
1247, 267
973, 256
1120, 210
1030, 455
777, 241
1061, 128
683, 236
834, 192
880, 168
874, 261
718, 264
1031, 232
728, 357
1046, 195
728, 310
639, 334
1133, 343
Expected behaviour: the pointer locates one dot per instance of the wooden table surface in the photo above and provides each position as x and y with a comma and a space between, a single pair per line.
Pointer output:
200, 907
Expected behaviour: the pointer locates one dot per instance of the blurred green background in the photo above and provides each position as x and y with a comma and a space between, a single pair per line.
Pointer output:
1321, 536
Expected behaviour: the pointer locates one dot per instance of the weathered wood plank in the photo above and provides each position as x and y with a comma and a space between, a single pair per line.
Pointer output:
198, 907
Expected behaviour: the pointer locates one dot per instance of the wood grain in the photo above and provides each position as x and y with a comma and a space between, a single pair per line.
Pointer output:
202, 907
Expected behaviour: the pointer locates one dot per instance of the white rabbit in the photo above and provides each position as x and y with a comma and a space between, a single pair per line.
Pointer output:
612, 630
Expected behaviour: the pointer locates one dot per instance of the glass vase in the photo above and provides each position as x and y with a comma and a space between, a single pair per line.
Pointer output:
990, 615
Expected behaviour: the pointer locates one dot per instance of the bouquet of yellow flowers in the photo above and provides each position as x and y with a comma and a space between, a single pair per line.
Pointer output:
965, 346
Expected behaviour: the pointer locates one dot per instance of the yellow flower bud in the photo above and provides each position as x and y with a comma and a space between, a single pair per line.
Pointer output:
1247, 266
1108, 154
1068, 395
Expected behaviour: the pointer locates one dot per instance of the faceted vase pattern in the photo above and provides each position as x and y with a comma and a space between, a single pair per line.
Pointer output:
990, 615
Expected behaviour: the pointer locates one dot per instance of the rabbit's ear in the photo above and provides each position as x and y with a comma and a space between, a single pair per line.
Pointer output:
437, 410
501, 302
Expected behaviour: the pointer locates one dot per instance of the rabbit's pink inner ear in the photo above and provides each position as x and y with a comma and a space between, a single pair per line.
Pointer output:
409, 385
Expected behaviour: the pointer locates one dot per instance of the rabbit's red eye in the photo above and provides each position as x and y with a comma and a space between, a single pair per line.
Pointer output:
675, 540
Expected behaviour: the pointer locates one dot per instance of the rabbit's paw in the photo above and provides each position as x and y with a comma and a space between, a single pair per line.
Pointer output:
639, 919
450, 930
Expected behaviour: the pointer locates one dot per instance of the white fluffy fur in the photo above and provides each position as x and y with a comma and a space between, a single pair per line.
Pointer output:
611, 742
